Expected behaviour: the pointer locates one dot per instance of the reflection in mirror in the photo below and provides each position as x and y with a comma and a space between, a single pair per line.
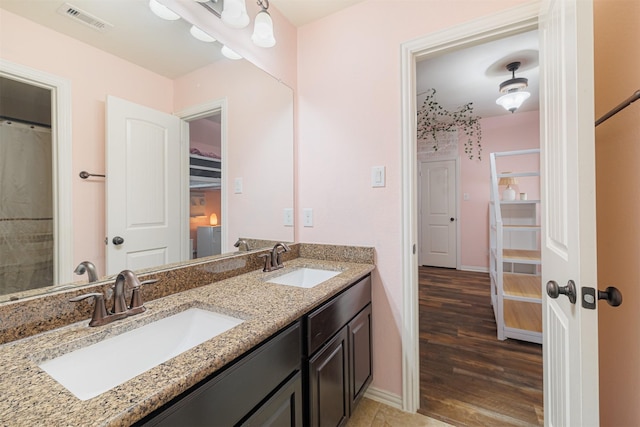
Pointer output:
256, 130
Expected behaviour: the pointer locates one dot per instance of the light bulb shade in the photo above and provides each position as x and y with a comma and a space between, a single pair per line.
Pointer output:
263, 30
229, 53
162, 11
513, 100
213, 219
201, 35
234, 13
507, 181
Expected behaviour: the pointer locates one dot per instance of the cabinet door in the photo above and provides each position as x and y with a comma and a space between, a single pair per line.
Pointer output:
360, 366
328, 383
284, 409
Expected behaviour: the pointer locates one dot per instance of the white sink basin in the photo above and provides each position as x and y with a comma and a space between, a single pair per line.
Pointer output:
92, 370
304, 277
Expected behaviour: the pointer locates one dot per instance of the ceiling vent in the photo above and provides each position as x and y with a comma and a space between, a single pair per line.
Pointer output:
83, 17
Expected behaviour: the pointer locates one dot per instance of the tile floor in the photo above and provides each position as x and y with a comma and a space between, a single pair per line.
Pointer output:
370, 413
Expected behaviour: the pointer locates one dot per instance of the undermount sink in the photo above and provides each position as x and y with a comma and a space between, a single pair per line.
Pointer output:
92, 370
304, 277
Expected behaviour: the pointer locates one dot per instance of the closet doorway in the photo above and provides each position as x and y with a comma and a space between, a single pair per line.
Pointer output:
205, 130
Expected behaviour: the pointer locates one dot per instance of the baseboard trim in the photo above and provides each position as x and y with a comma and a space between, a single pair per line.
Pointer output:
474, 268
385, 397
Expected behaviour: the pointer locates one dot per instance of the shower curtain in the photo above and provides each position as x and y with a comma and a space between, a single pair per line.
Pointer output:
26, 207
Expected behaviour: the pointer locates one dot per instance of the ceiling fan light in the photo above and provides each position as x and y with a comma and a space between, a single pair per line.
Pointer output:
234, 13
513, 100
263, 30
201, 35
162, 11
229, 53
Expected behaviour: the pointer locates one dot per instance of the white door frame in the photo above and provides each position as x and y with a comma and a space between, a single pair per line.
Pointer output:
193, 113
61, 143
502, 24
456, 160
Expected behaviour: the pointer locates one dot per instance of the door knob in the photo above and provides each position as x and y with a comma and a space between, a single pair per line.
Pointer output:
554, 291
452, 219
612, 295
118, 240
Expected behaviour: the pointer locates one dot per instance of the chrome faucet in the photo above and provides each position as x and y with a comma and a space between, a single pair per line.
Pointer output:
89, 268
242, 245
120, 309
273, 259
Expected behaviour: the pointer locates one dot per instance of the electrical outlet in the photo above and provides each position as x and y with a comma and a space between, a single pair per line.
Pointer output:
307, 217
288, 217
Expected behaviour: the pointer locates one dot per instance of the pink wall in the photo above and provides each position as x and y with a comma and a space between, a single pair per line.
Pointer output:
349, 119
501, 133
260, 136
94, 74
617, 66
205, 135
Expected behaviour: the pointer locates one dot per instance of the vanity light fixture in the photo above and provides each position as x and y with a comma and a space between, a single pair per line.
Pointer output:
229, 53
201, 35
263, 27
162, 11
513, 89
234, 13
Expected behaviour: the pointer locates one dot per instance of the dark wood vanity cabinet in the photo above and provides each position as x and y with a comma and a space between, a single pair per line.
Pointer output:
337, 363
312, 373
261, 389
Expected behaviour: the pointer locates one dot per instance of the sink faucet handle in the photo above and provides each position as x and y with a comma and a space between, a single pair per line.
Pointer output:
267, 262
276, 255
136, 305
99, 310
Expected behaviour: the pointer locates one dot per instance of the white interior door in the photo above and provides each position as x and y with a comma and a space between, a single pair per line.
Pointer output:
438, 237
570, 332
143, 151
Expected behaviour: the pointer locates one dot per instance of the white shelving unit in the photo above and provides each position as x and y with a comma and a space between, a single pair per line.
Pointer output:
515, 264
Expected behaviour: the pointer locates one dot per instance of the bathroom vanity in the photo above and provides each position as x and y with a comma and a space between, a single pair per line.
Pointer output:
280, 387
294, 347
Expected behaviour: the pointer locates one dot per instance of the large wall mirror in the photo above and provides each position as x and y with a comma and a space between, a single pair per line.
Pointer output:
235, 114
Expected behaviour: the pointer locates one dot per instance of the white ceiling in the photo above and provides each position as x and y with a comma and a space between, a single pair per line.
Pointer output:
474, 74
467, 75
300, 12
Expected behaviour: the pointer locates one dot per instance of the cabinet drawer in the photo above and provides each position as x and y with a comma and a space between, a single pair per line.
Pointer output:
325, 321
228, 397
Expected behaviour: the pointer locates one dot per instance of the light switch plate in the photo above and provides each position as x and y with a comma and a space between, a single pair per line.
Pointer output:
237, 186
288, 217
307, 217
377, 176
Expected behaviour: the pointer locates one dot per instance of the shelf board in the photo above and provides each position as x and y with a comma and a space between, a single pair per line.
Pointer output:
523, 315
519, 202
521, 255
521, 227
522, 285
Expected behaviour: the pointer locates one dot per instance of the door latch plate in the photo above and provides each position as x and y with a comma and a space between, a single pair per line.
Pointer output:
589, 298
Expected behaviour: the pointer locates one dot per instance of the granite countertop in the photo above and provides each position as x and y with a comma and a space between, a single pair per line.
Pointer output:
31, 397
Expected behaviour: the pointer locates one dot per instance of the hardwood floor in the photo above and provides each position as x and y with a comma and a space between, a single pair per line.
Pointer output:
468, 376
